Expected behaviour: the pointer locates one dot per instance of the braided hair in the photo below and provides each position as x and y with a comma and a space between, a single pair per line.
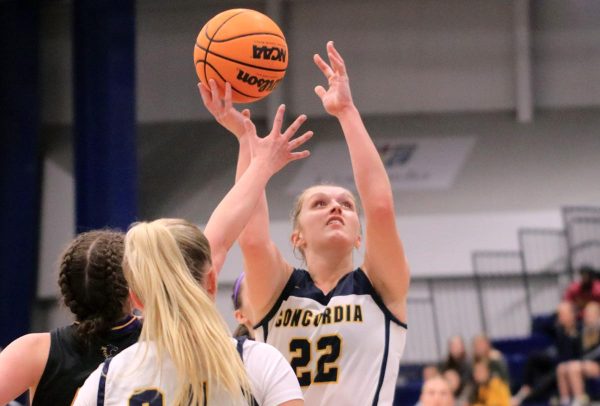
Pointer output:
92, 282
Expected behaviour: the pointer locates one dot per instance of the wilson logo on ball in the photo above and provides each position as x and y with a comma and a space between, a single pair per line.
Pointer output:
268, 53
263, 85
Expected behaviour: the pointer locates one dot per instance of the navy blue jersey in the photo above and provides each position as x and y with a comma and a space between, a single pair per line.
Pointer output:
69, 363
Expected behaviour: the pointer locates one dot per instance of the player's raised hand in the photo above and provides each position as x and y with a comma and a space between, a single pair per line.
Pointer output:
277, 149
221, 107
338, 96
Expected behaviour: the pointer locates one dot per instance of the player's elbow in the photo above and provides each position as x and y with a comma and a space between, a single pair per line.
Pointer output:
381, 209
251, 244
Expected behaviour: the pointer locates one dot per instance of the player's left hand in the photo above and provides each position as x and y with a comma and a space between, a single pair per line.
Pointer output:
337, 97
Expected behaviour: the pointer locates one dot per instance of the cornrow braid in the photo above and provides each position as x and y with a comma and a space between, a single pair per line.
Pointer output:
92, 283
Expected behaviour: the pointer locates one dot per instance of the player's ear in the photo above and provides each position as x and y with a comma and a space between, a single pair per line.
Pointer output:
240, 317
297, 239
358, 242
211, 283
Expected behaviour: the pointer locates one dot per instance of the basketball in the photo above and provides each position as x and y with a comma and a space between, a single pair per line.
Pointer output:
245, 48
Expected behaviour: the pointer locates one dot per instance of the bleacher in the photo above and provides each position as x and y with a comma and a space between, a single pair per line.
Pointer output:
511, 297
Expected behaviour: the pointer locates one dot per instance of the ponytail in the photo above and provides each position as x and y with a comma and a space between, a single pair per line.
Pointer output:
180, 319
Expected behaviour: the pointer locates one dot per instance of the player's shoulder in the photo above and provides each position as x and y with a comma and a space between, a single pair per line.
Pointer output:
133, 352
263, 352
36, 343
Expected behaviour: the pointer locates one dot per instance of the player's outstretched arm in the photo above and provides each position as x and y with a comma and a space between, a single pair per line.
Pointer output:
385, 261
268, 155
22, 364
267, 271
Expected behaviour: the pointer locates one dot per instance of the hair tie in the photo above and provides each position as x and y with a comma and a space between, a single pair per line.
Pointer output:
236, 291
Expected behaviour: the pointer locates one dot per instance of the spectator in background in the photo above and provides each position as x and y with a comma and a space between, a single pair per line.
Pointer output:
430, 371
490, 389
456, 368
461, 388
482, 350
585, 290
571, 374
436, 392
457, 358
539, 376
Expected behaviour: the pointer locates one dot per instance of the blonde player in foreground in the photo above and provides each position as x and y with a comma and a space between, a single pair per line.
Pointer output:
342, 329
185, 355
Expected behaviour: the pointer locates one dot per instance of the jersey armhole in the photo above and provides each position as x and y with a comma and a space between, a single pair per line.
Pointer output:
285, 293
363, 278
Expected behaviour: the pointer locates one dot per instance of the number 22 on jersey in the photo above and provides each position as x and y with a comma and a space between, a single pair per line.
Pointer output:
327, 348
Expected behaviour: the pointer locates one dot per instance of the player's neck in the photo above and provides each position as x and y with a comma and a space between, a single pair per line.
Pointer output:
326, 271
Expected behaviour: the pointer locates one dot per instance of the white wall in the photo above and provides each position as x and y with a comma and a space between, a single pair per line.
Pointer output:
423, 57
403, 56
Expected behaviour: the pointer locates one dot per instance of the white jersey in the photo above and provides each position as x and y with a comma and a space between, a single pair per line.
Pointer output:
123, 381
344, 347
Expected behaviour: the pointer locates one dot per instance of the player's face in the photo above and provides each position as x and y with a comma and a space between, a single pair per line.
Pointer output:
328, 213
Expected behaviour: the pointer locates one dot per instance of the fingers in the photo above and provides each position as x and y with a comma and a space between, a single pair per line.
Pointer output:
295, 126
213, 89
294, 156
296, 142
321, 64
336, 60
320, 91
227, 100
204, 93
278, 120
246, 113
249, 127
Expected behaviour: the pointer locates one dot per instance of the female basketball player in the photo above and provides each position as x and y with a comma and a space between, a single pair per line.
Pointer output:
53, 365
342, 330
185, 354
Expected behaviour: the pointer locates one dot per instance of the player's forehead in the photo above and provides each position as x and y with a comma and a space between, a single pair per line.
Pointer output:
331, 191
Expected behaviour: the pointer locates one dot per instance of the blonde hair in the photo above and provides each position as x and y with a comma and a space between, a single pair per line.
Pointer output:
165, 264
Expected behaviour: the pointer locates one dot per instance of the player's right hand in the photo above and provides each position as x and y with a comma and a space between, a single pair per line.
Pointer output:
221, 107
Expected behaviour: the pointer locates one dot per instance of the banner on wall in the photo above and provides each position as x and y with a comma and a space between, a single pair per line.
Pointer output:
415, 163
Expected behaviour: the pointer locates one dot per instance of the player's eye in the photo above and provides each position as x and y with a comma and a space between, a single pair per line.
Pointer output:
319, 203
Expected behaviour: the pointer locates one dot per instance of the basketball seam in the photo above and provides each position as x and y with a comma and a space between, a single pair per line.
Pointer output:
224, 80
236, 61
210, 40
242, 36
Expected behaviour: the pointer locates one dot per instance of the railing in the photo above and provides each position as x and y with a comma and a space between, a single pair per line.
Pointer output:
506, 288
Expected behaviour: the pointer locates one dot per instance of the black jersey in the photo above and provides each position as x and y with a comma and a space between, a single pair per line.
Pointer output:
69, 364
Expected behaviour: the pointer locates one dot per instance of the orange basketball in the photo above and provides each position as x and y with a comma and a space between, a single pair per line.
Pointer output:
245, 48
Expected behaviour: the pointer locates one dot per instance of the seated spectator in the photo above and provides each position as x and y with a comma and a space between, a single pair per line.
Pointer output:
461, 388
571, 374
539, 376
585, 290
430, 371
436, 392
490, 389
482, 350
457, 359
